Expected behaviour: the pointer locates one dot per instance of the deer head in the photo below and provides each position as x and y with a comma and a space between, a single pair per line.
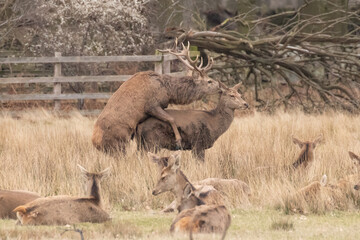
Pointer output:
231, 98
93, 180
307, 151
189, 199
168, 177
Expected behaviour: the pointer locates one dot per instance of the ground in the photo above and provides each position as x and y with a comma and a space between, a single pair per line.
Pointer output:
246, 224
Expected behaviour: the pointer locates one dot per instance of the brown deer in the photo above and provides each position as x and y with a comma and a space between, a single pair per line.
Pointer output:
11, 199
225, 186
310, 194
306, 155
198, 129
147, 94
313, 188
350, 181
195, 216
60, 210
174, 180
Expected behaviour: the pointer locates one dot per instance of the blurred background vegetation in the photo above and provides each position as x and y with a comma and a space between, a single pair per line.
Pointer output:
289, 53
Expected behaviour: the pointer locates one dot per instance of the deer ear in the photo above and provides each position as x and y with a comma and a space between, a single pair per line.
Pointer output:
155, 158
318, 140
355, 157
237, 86
174, 160
84, 172
22, 209
323, 180
161, 162
187, 191
298, 142
105, 173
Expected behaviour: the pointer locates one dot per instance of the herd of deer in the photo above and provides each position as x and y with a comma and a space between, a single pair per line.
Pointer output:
137, 111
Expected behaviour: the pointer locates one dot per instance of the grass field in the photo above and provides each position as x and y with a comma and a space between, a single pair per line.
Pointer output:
39, 152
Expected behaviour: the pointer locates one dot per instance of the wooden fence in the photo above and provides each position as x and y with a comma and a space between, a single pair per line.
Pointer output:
162, 66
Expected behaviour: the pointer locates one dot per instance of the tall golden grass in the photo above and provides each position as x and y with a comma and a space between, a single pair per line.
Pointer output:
40, 152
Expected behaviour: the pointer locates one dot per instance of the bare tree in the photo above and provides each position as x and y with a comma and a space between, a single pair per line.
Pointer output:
312, 59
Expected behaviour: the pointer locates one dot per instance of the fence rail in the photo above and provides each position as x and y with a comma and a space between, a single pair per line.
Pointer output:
162, 66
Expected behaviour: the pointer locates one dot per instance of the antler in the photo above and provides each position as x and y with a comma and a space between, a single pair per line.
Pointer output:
187, 60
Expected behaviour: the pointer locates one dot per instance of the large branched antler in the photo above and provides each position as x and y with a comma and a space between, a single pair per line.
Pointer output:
184, 56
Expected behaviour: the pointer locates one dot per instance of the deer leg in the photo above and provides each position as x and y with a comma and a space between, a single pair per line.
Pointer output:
160, 113
170, 208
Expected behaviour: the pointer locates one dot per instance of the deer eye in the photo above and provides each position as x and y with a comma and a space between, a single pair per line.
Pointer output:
209, 81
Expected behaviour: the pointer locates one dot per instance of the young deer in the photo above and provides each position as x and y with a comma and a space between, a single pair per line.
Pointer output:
306, 155
198, 129
11, 199
195, 216
313, 188
173, 179
60, 210
311, 194
350, 182
148, 94
224, 186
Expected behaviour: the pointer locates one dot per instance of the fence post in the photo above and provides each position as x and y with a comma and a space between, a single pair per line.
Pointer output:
57, 86
166, 65
158, 65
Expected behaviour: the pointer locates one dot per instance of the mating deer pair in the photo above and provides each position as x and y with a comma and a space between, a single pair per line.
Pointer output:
198, 212
198, 129
60, 210
147, 94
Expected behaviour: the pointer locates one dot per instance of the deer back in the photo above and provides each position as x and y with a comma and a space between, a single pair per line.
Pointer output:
11, 199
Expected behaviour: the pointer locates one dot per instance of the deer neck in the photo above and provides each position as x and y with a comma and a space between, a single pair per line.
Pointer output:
223, 117
94, 191
180, 186
182, 90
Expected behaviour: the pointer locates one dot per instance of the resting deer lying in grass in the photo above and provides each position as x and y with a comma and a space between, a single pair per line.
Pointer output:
173, 179
306, 155
147, 94
11, 199
60, 210
308, 195
350, 182
313, 188
195, 216
199, 129
225, 186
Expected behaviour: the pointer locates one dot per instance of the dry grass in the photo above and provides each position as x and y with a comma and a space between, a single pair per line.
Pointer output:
39, 152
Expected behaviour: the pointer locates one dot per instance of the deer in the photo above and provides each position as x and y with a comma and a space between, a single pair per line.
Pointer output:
309, 194
224, 186
306, 155
313, 188
349, 182
174, 180
198, 129
147, 94
10, 199
195, 216
61, 210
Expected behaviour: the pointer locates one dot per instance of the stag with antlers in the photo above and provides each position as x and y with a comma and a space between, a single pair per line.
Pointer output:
147, 94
